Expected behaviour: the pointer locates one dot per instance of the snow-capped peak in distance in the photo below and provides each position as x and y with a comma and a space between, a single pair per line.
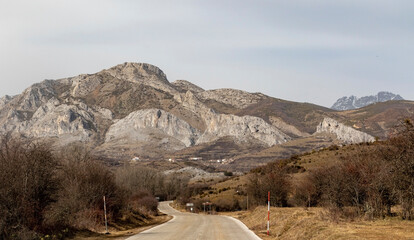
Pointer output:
353, 102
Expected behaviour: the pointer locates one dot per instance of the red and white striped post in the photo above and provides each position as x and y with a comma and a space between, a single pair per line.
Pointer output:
106, 220
268, 213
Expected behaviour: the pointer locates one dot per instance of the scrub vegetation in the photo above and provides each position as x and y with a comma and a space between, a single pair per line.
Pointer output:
48, 194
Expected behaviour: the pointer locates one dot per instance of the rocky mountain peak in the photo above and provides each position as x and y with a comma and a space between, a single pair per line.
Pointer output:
353, 102
137, 71
143, 73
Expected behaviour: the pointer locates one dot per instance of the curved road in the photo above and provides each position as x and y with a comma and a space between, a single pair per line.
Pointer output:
195, 226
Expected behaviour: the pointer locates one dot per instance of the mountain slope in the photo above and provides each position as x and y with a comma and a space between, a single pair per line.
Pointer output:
133, 110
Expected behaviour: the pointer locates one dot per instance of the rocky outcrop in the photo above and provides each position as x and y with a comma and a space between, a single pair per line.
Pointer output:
185, 86
53, 119
344, 133
35, 96
352, 102
142, 73
236, 98
83, 85
243, 129
4, 100
138, 125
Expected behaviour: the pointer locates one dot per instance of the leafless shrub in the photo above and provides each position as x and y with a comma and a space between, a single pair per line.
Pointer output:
305, 194
136, 179
149, 203
274, 180
83, 183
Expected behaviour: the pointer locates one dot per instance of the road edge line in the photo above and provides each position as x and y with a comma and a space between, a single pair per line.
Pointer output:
244, 227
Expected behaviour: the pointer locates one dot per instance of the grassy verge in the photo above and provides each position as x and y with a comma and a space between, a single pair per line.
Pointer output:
316, 223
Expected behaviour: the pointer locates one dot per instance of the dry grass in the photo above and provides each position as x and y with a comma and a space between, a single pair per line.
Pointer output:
315, 223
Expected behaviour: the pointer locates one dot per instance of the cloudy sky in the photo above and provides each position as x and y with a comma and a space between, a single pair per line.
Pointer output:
302, 50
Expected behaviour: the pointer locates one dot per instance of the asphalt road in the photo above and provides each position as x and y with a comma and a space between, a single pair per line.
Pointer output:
192, 226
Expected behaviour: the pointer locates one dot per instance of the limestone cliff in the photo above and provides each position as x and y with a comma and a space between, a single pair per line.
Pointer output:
243, 129
344, 133
139, 125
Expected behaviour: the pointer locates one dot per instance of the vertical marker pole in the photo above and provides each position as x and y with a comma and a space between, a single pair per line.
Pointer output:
106, 220
268, 213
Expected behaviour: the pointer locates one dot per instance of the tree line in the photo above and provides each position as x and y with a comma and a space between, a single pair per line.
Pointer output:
55, 192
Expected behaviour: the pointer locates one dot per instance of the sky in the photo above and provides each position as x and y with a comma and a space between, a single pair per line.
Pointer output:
301, 50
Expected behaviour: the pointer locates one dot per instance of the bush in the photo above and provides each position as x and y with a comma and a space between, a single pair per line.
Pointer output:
149, 202
228, 174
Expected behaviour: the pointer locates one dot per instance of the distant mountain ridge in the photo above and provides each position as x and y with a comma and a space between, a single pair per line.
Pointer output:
353, 102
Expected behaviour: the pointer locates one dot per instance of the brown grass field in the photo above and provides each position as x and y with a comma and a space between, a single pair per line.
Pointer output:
316, 223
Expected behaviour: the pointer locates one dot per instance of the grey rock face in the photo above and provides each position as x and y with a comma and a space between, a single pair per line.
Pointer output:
242, 128
344, 133
55, 119
221, 125
352, 102
138, 125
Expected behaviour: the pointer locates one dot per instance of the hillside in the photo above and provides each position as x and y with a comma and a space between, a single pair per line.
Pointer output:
132, 110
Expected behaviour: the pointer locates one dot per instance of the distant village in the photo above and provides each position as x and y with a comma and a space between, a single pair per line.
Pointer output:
196, 159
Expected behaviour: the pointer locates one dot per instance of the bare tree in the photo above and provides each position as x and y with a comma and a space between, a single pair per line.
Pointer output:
27, 184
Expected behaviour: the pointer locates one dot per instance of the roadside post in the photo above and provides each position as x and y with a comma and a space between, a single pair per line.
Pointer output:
208, 204
106, 220
268, 213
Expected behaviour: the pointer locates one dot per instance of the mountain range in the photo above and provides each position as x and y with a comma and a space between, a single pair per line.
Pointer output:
352, 102
132, 111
